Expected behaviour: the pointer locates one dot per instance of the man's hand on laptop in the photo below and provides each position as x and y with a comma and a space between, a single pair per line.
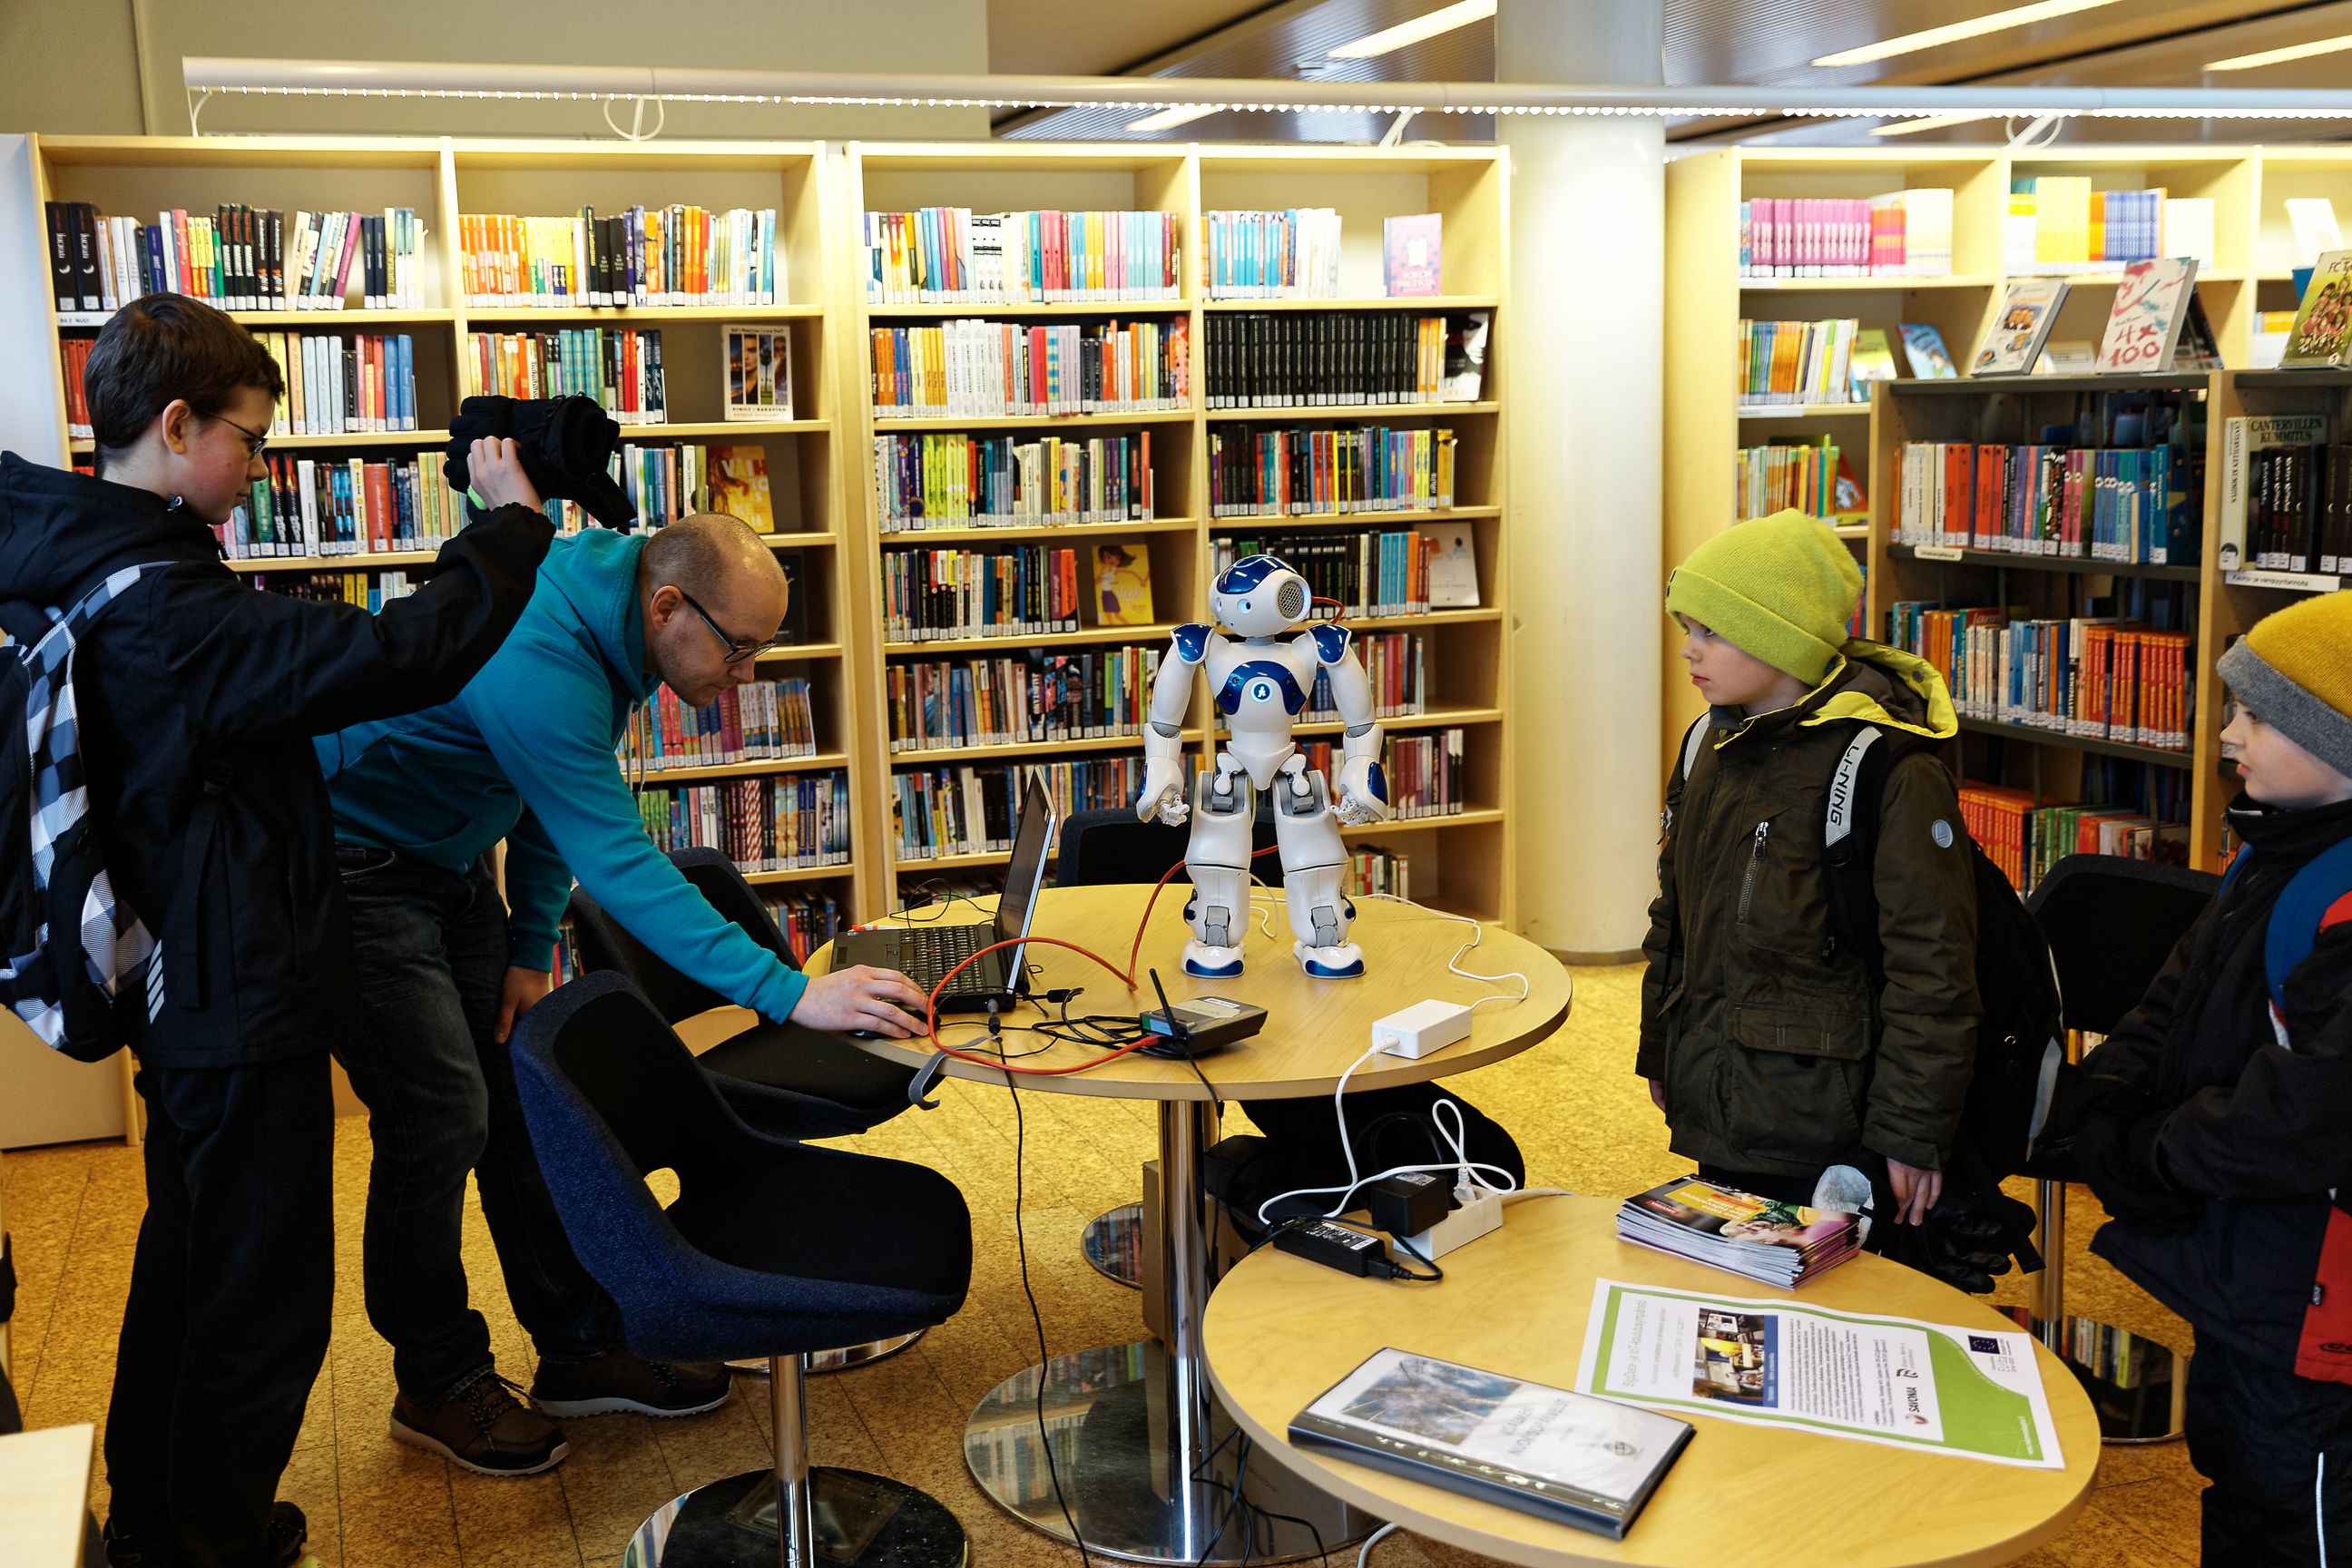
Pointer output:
863, 997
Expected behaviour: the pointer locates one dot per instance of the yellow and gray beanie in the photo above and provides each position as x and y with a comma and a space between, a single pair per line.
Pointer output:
2294, 669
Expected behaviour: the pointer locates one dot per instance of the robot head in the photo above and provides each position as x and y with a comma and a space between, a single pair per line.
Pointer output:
1259, 596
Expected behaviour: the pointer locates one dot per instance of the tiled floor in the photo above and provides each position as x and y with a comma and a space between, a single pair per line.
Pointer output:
1581, 1117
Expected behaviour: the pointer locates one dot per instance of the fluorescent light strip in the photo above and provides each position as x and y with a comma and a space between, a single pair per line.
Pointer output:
1388, 41
2280, 56
1170, 118
1933, 122
1999, 21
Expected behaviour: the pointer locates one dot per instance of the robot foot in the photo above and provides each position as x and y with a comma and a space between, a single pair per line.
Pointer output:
1209, 963
1345, 961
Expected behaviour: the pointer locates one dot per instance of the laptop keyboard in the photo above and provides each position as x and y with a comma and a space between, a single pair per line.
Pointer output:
929, 951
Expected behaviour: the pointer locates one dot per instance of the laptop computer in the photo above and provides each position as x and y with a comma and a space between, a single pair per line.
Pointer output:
925, 952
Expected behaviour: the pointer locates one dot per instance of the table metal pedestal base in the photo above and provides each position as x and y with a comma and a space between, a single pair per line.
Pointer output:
861, 1521
1113, 1240
839, 1360
2139, 1387
1106, 1412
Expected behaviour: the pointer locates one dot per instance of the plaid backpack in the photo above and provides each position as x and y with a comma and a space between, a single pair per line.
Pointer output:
74, 951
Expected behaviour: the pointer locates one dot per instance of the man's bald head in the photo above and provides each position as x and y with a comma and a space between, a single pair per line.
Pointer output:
714, 558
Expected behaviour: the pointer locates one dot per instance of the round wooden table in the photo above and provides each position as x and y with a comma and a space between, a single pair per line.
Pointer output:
1280, 1330
1143, 1452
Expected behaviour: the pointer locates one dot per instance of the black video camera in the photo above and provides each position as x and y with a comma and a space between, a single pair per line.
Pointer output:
566, 444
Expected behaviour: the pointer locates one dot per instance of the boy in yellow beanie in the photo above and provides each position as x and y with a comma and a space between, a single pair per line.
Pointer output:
1776, 1054
2223, 1156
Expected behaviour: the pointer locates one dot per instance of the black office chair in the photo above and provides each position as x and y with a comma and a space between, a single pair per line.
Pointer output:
2111, 923
786, 1081
1111, 845
769, 1251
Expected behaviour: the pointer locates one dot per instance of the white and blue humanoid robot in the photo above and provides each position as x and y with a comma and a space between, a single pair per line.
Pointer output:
1261, 683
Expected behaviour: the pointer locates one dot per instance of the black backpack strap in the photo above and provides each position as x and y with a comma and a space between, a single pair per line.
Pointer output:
183, 958
1694, 744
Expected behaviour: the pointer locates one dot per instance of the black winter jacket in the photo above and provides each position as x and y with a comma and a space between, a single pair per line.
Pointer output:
193, 670
2257, 1128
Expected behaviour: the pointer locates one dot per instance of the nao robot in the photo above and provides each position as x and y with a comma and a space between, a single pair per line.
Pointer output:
1261, 684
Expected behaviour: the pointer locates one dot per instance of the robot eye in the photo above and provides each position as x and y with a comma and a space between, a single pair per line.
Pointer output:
1291, 600
1245, 603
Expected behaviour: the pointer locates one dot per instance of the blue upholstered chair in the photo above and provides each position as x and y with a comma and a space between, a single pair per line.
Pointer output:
769, 1250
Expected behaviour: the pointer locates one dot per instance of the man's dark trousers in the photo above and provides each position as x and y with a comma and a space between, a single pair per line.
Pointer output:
231, 1296
2278, 1451
431, 946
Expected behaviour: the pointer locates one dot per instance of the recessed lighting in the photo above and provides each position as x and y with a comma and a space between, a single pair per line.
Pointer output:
1170, 118
1389, 40
1999, 21
1933, 122
2280, 56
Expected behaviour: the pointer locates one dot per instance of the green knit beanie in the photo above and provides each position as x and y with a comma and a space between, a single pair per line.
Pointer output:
1781, 587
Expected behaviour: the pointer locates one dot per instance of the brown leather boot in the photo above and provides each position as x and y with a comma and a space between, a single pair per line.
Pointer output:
483, 1427
620, 1381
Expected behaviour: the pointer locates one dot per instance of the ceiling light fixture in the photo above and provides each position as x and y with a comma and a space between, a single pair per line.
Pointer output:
1388, 41
1933, 122
2280, 56
1952, 33
1174, 115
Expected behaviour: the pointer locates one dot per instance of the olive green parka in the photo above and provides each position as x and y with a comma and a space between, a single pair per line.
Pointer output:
1778, 1052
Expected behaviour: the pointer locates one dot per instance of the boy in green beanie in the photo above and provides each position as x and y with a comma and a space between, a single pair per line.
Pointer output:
1775, 1054
2219, 1151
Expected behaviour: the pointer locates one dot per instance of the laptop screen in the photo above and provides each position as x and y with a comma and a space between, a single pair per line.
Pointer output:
1027, 870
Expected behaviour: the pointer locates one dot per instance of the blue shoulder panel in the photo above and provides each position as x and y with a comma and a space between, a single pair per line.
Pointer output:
1191, 641
1330, 643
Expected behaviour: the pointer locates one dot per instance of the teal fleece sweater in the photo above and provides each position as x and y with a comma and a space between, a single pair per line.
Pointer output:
526, 754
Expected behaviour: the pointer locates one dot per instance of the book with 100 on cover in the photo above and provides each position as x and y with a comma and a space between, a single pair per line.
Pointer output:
1575, 1458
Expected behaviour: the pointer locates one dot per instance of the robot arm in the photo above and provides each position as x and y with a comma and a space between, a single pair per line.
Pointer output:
1163, 743
1363, 789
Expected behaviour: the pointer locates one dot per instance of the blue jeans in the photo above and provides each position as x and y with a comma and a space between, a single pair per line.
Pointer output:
440, 1093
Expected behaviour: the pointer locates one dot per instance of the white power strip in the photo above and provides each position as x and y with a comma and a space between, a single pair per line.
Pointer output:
1422, 1028
1482, 1213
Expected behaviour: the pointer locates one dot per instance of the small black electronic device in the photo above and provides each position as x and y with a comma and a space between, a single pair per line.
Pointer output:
1408, 1203
1339, 1247
1198, 1027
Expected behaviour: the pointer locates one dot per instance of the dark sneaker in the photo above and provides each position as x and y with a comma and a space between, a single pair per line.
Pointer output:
485, 1428
289, 1533
619, 1380
131, 1545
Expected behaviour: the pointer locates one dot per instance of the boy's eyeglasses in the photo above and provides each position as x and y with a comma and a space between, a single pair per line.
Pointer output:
253, 443
737, 652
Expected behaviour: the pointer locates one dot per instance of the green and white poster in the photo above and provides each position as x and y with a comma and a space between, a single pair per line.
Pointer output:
1975, 1391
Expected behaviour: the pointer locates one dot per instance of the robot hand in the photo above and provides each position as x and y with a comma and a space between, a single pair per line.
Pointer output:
1163, 793
1362, 793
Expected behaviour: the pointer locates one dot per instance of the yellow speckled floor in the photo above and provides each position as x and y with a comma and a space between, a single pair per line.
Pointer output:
1581, 1117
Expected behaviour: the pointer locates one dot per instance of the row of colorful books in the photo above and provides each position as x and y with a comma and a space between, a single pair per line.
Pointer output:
369, 591
998, 591
1315, 359
1804, 475
953, 255
1373, 871
2025, 840
1257, 471
971, 809
955, 481
1358, 574
1425, 772
2139, 505
235, 258
2058, 223
1292, 253
1396, 664
2286, 496
990, 369
338, 385
1902, 234
620, 367
1799, 362
776, 822
757, 721
2084, 677
1035, 697
309, 506
678, 254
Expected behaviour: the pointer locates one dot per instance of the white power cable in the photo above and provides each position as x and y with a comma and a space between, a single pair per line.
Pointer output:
1364, 1558
1477, 933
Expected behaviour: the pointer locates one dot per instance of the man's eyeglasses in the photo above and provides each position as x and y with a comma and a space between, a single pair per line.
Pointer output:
737, 652
254, 442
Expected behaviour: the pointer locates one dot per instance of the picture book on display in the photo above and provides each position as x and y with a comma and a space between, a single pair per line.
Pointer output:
2322, 336
758, 363
2021, 323
1574, 1458
1412, 256
1922, 345
1870, 359
739, 486
1453, 569
1122, 584
1780, 1244
2144, 327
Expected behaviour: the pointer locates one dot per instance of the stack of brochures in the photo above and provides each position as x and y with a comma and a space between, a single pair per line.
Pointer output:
1780, 1244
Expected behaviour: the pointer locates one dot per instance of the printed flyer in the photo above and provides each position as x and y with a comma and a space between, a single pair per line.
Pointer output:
1972, 1392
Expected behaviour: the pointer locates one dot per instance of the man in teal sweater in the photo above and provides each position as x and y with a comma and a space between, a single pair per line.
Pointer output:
526, 754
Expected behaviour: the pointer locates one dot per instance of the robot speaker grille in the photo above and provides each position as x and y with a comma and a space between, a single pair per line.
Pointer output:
1291, 601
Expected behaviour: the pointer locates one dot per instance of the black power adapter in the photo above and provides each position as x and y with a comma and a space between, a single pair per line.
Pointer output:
1336, 1246
1407, 1204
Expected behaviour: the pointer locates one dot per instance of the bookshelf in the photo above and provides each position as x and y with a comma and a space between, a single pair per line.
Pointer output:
1705, 420
821, 462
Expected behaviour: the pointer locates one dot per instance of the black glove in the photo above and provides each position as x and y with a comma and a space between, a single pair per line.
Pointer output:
1968, 1238
2077, 1100
566, 444
2118, 1161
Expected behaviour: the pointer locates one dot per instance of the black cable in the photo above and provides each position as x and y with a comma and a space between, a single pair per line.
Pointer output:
1320, 1550
1413, 1252
1021, 1242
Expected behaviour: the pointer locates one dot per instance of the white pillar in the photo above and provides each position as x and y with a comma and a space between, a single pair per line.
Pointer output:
1584, 336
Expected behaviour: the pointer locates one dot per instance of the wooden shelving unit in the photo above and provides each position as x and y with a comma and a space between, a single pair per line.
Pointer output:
820, 463
1704, 422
